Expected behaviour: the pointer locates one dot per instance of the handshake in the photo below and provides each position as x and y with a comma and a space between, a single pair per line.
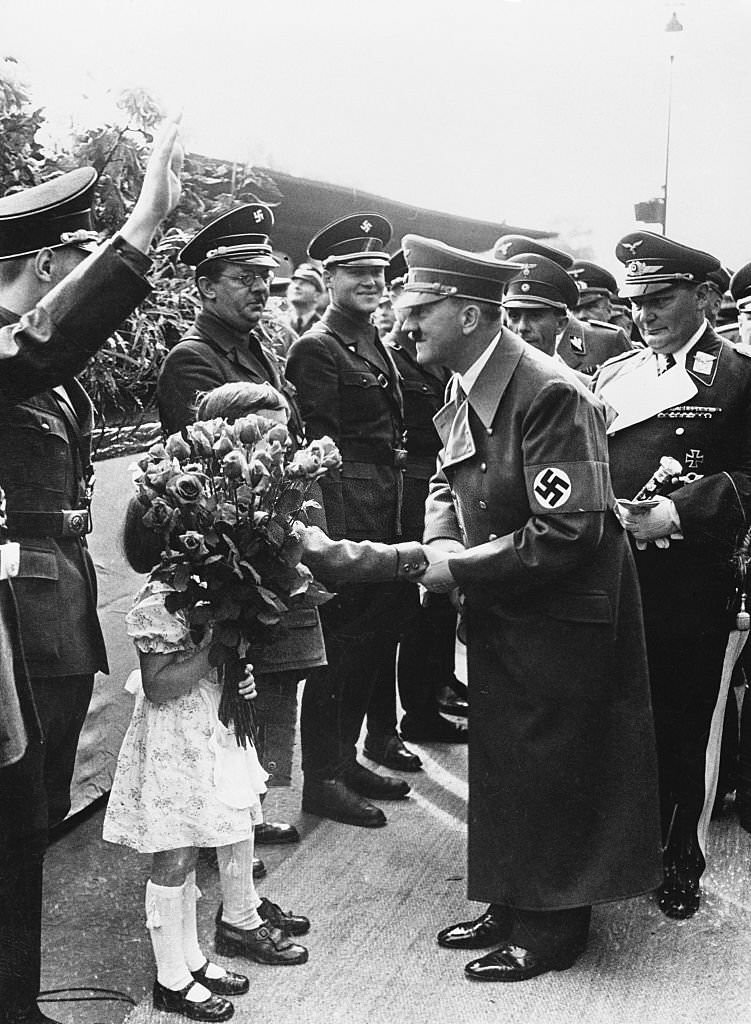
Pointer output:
428, 564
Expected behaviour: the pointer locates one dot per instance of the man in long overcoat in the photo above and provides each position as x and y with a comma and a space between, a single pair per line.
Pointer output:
562, 769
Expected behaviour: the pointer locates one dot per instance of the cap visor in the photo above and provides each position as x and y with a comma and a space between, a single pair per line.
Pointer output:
411, 300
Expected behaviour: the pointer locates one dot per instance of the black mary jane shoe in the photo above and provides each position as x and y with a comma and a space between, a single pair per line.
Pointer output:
391, 753
514, 963
275, 917
265, 945
229, 984
489, 929
215, 1008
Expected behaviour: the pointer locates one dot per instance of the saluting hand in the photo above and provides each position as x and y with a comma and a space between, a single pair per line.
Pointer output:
161, 188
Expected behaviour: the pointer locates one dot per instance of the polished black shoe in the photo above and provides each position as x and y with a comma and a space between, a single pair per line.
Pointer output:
212, 1009
434, 730
265, 945
489, 929
229, 984
290, 924
376, 787
275, 917
514, 963
453, 700
259, 868
391, 753
679, 897
269, 832
331, 798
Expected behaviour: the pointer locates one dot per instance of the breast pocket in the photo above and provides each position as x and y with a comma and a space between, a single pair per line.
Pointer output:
362, 400
38, 594
37, 448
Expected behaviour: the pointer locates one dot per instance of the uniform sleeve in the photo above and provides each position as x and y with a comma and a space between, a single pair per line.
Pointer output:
564, 457
185, 373
313, 369
441, 522
54, 341
340, 562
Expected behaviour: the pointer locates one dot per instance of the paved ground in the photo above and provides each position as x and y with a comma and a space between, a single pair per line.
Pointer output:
376, 898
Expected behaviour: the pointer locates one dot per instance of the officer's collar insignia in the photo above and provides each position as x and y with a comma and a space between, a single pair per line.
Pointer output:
366, 226
633, 246
703, 362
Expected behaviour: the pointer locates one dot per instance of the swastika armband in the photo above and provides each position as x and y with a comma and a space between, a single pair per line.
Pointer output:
568, 487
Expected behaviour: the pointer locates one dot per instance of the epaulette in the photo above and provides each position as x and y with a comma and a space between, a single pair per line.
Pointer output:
602, 323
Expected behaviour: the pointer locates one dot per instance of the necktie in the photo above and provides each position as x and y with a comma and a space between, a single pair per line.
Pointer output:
664, 362
298, 325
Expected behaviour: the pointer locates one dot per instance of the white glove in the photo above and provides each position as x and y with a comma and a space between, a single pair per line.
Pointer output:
656, 523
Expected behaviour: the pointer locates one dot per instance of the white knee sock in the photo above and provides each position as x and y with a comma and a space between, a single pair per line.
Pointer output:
164, 920
239, 894
194, 957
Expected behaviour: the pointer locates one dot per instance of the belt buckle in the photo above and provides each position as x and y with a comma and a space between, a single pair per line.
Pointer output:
400, 458
75, 522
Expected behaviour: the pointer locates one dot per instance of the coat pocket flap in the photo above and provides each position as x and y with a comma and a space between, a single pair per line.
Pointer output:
38, 563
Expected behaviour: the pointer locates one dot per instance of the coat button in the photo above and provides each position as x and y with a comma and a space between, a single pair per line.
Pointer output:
483, 467
483, 505
492, 536
680, 431
488, 430
45, 426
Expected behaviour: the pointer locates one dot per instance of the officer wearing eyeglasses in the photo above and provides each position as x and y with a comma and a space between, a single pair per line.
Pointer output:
234, 267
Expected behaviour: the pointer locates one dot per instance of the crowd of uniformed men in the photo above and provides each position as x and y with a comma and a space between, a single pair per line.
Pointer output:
507, 412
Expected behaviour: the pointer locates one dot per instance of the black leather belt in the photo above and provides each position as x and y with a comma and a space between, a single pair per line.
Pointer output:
72, 522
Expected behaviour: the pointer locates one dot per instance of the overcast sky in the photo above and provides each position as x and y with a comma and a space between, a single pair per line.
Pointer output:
546, 113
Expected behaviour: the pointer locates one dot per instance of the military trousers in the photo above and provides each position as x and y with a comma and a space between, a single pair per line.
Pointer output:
361, 628
34, 796
685, 675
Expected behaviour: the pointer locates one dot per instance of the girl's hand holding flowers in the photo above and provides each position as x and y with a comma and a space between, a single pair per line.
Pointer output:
246, 686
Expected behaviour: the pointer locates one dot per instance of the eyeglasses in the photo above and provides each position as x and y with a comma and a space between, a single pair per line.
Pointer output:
248, 280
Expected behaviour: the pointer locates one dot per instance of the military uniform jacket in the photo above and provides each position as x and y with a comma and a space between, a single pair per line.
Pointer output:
348, 388
584, 345
211, 353
700, 416
422, 393
41, 455
562, 769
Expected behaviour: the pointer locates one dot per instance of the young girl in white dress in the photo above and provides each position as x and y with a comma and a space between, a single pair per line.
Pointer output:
182, 782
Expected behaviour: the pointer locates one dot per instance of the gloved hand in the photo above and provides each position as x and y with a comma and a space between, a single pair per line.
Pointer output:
656, 523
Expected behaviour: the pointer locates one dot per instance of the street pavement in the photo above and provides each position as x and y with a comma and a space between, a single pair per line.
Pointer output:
376, 899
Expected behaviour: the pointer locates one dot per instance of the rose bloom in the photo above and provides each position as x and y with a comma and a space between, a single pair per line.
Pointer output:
247, 430
177, 448
235, 465
223, 445
185, 489
193, 544
278, 433
327, 451
305, 463
260, 478
160, 516
201, 438
157, 453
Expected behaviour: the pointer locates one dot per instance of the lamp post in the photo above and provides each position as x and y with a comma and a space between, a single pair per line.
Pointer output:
673, 28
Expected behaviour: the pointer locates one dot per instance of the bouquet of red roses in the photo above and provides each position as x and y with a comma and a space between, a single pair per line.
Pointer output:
224, 498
